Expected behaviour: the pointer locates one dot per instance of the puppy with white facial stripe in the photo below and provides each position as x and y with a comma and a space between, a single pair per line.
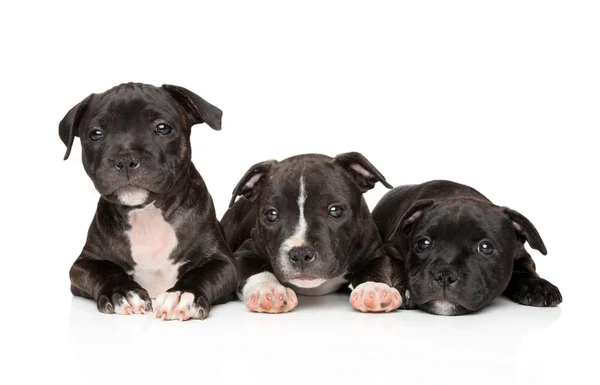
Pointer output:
302, 226
155, 233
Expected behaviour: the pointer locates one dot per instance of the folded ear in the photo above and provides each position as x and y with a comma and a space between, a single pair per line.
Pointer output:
197, 109
252, 180
68, 127
410, 217
364, 173
526, 231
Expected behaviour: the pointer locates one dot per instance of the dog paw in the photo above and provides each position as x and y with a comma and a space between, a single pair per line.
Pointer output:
125, 302
373, 297
537, 292
271, 297
182, 306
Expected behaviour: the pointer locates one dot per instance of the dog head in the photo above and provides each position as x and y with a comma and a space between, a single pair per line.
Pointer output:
135, 138
461, 252
310, 213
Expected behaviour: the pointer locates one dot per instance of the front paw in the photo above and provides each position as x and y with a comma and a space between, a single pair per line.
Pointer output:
125, 301
537, 292
374, 297
182, 306
270, 297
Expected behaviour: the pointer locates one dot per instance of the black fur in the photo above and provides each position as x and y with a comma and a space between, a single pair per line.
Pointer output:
348, 245
127, 115
456, 218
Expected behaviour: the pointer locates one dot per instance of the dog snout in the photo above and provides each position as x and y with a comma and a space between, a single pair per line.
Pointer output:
445, 276
129, 161
302, 256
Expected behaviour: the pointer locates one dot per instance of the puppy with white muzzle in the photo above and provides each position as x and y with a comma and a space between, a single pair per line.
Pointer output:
302, 226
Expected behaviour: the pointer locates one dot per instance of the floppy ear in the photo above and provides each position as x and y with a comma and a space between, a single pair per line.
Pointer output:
69, 125
250, 183
526, 231
197, 109
364, 173
410, 217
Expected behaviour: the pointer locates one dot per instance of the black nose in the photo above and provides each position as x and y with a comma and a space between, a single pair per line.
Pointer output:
445, 276
129, 161
302, 256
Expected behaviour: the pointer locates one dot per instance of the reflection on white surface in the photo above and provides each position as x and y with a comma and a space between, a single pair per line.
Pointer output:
324, 339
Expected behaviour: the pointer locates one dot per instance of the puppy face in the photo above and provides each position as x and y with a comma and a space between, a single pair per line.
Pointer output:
135, 139
461, 254
308, 207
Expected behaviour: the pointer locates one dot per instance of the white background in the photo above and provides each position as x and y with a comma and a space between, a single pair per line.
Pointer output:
503, 96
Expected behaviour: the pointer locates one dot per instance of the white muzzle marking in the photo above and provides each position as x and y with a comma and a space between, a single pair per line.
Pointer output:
443, 307
308, 283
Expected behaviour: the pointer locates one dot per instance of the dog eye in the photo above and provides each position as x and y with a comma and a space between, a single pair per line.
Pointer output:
336, 211
96, 135
423, 244
163, 129
272, 215
485, 248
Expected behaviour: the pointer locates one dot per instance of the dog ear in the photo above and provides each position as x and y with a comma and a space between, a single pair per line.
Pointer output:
409, 218
197, 109
364, 173
68, 127
250, 183
526, 231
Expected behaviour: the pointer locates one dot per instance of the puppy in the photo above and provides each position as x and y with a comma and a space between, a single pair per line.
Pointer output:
155, 233
302, 226
458, 250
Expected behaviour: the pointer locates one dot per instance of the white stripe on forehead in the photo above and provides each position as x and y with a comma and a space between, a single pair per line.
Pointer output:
298, 238
299, 235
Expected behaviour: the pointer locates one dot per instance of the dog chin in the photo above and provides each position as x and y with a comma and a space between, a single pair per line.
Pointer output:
444, 307
132, 196
307, 283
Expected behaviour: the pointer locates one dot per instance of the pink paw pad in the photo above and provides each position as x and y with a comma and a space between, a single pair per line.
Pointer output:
375, 297
271, 298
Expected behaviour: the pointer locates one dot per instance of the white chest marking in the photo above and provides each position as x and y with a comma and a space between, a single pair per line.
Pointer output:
317, 286
152, 240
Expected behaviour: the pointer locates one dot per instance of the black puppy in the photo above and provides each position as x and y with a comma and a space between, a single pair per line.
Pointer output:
155, 233
303, 226
459, 251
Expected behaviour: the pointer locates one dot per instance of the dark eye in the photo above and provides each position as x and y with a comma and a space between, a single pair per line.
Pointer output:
485, 248
96, 135
336, 211
163, 129
272, 215
423, 244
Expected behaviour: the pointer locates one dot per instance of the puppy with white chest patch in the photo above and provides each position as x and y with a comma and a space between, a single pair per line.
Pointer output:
155, 233
302, 226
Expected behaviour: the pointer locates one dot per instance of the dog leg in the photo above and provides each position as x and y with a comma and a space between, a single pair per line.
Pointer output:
376, 286
208, 284
527, 288
263, 293
257, 287
112, 288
